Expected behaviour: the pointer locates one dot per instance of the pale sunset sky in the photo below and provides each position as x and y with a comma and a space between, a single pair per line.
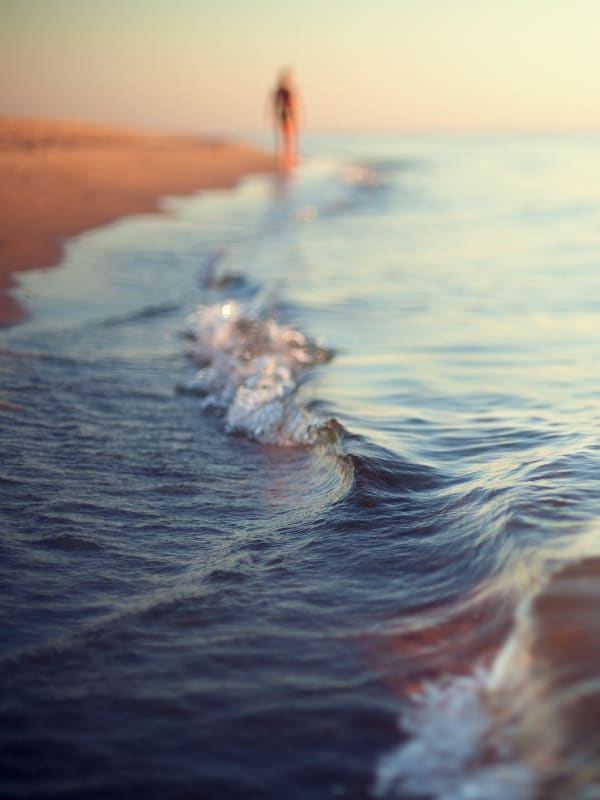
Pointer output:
404, 65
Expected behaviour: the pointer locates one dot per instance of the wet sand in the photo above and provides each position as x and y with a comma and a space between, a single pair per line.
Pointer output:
59, 178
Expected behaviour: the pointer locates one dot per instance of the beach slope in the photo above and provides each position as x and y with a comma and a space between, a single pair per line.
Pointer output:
59, 178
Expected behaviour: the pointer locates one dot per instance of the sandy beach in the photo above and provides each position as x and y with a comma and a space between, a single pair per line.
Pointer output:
59, 178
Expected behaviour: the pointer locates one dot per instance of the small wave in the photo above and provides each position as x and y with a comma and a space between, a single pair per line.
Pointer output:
211, 275
555, 648
70, 542
363, 175
381, 472
523, 726
454, 751
251, 368
374, 174
146, 313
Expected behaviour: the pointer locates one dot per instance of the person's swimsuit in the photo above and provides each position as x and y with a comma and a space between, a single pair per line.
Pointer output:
284, 105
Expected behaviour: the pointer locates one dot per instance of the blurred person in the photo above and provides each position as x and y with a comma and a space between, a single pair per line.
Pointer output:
285, 110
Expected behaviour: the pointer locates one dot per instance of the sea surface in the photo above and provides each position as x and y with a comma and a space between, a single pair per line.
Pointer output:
300, 486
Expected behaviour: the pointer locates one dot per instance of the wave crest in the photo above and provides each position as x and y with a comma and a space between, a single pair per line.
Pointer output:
250, 369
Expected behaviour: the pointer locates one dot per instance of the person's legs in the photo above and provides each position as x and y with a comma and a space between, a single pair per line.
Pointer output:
288, 145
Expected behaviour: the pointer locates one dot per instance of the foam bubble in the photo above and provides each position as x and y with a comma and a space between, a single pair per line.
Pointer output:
361, 175
250, 369
455, 750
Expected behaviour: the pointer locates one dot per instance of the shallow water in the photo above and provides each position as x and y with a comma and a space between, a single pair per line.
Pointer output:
299, 486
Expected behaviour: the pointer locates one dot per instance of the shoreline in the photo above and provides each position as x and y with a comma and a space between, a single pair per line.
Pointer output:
61, 178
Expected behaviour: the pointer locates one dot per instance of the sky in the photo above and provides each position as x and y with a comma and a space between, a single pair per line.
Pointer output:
401, 65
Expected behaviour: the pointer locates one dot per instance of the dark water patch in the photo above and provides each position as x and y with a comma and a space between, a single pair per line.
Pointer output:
12, 482
70, 543
80, 510
180, 489
242, 703
380, 472
240, 679
230, 282
148, 313
218, 275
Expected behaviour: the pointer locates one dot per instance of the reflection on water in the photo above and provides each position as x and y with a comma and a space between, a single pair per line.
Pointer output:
357, 556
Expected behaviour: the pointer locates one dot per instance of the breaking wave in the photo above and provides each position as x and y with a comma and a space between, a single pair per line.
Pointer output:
250, 369
455, 751
524, 726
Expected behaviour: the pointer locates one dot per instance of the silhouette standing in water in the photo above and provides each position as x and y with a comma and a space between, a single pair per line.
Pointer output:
285, 109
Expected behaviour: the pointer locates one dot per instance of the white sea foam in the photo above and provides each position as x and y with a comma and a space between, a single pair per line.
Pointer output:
455, 750
250, 369
467, 735
361, 175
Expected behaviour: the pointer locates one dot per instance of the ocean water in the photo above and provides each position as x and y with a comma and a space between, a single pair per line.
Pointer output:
300, 486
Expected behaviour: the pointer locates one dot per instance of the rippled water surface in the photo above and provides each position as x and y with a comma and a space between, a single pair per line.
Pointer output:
300, 487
